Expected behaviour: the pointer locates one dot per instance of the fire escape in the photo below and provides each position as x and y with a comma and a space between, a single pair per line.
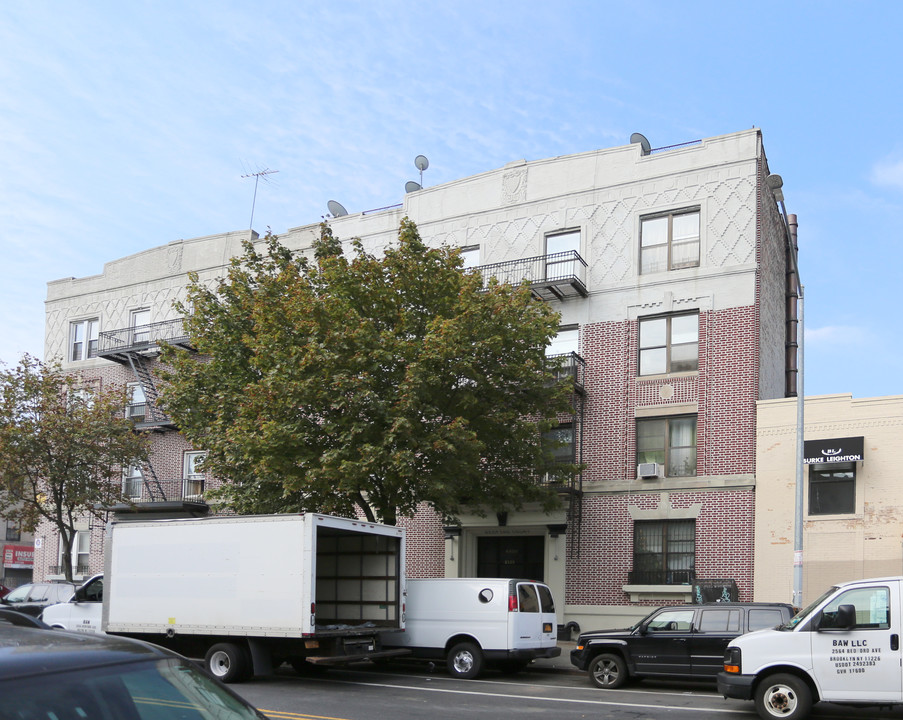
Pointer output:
137, 348
558, 276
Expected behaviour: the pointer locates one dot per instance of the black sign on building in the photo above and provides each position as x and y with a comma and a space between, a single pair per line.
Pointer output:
835, 450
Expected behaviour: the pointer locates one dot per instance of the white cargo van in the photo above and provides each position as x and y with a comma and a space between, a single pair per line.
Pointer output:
470, 623
843, 648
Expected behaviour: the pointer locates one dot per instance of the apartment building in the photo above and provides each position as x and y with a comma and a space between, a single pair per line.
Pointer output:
669, 268
850, 497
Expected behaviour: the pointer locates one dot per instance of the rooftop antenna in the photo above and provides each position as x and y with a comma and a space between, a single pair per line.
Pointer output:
641, 140
259, 174
421, 163
336, 209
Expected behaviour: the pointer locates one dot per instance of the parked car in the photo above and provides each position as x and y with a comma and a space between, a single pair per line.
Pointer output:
82, 612
69, 676
32, 598
685, 641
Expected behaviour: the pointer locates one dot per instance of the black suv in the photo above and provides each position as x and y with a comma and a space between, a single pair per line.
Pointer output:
32, 598
685, 641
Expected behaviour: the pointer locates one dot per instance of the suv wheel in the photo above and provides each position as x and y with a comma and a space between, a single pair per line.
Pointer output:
608, 671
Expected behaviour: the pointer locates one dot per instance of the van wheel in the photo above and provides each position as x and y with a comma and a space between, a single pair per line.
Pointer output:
465, 661
608, 671
226, 662
783, 696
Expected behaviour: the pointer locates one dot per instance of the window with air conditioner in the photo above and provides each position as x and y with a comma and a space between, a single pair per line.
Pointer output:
669, 442
132, 482
137, 407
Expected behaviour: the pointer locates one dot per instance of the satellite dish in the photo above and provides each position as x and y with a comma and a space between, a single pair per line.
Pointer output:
641, 140
411, 186
421, 163
336, 209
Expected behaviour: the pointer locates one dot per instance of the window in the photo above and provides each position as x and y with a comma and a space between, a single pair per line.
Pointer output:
664, 552
720, 621
139, 322
669, 242
566, 341
137, 408
670, 442
671, 621
560, 441
83, 336
872, 608
12, 532
470, 256
81, 552
132, 481
760, 619
561, 249
832, 491
669, 344
194, 477
527, 601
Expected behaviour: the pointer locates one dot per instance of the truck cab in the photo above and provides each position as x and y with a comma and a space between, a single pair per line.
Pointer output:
844, 648
82, 613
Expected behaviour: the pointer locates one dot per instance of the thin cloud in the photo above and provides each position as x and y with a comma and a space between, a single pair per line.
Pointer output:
888, 173
837, 336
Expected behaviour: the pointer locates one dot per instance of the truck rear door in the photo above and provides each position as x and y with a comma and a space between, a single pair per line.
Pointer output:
862, 663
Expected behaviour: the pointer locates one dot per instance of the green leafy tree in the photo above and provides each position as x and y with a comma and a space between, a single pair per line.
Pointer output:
63, 444
368, 382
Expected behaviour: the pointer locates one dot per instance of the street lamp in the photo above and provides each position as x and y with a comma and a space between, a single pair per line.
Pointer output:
775, 184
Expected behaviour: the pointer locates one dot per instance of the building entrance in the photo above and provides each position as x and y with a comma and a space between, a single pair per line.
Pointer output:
511, 557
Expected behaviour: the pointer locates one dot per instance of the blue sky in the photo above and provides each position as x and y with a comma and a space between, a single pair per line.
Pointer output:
128, 125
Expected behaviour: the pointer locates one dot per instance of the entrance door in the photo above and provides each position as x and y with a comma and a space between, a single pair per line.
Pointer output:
511, 556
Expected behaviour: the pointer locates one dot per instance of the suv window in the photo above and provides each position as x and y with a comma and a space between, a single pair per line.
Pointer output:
760, 619
720, 620
671, 621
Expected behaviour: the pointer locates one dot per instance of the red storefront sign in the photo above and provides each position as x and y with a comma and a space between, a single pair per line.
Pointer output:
18, 556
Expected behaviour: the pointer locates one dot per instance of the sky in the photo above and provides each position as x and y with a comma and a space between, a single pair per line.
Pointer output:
127, 125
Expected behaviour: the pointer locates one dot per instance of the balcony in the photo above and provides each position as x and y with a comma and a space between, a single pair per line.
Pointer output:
570, 367
118, 344
552, 277
137, 491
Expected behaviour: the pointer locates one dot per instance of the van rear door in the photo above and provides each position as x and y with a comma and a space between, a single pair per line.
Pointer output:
533, 624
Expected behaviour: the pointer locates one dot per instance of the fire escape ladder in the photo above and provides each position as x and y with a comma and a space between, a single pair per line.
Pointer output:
575, 497
152, 483
141, 370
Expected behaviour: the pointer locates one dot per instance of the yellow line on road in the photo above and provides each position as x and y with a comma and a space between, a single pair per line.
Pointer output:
296, 716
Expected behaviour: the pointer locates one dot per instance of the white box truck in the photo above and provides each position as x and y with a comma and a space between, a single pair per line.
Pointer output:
471, 623
248, 593
843, 648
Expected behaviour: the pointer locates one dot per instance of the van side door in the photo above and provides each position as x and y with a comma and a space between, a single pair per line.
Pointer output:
862, 662
527, 621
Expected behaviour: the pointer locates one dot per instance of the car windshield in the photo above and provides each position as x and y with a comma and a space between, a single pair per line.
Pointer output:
807, 611
19, 594
155, 690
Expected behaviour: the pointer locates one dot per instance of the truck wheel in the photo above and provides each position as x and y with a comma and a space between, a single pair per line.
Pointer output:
608, 671
465, 661
226, 662
783, 696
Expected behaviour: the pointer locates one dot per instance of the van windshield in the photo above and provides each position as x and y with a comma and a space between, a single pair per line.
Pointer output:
807, 611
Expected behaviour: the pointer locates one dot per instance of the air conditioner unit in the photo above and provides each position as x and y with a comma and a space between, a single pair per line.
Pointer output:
649, 471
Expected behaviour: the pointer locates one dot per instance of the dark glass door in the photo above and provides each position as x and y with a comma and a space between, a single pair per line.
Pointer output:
511, 557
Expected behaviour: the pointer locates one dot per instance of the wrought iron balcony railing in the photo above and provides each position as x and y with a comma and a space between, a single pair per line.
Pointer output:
142, 337
76, 570
137, 490
661, 577
570, 368
551, 277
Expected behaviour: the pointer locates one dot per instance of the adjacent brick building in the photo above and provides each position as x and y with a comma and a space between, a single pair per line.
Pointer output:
669, 270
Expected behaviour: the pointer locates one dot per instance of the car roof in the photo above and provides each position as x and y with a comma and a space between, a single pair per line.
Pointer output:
26, 651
